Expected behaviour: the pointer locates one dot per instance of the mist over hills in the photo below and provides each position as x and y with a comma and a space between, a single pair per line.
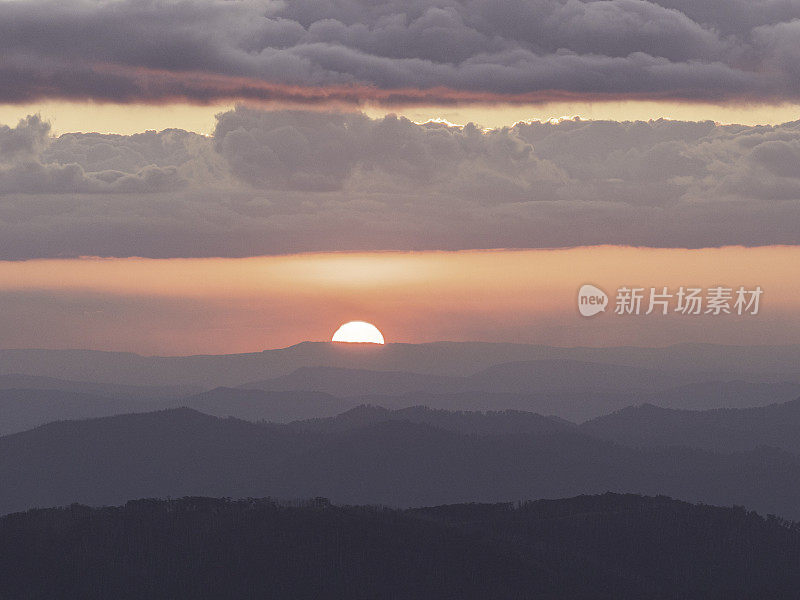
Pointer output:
342, 382
469, 422
399, 437
721, 430
22, 409
542, 376
729, 430
314, 380
620, 547
567, 388
110, 390
258, 405
723, 394
582, 406
752, 363
426, 458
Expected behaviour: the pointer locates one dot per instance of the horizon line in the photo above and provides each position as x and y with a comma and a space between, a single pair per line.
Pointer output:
377, 347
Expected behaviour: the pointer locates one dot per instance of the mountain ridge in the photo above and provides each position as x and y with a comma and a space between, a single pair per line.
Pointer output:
182, 452
721, 429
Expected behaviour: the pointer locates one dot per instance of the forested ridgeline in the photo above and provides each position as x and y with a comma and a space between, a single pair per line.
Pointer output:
588, 547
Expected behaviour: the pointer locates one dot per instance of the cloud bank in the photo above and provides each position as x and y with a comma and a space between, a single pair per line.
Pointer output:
400, 51
272, 182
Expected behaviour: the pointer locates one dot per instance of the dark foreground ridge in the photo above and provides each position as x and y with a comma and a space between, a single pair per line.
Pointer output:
588, 547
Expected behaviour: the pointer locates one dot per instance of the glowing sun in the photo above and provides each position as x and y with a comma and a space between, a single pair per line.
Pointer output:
359, 332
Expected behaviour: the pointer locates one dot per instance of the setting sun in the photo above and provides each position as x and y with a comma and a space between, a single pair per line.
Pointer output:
359, 332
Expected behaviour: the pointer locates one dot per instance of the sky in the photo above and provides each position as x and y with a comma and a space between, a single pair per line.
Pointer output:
227, 149
222, 305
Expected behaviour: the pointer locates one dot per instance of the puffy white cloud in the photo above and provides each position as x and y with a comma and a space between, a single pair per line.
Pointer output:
399, 51
293, 181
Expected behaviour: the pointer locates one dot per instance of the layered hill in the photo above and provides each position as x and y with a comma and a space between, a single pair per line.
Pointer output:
754, 363
722, 430
422, 459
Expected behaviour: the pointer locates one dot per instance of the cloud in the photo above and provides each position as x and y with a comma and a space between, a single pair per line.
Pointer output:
27, 167
273, 182
328, 152
400, 52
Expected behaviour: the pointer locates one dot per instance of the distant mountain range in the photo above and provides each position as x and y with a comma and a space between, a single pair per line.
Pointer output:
569, 389
540, 376
322, 392
22, 409
753, 363
721, 430
468, 422
316, 380
16, 381
566, 388
402, 425
411, 458
607, 547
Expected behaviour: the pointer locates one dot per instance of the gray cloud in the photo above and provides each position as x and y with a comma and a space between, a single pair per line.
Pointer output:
327, 152
26, 166
399, 51
290, 181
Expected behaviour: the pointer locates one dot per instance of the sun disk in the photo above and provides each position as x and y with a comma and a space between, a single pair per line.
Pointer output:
358, 332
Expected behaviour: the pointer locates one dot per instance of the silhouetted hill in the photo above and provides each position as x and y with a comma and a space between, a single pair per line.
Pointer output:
723, 394
573, 406
585, 548
172, 452
723, 430
470, 422
27, 408
22, 409
579, 406
411, 464
183, 452
751, 363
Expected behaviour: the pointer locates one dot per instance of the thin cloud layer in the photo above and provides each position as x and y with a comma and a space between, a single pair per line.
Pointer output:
432, 51
271, 182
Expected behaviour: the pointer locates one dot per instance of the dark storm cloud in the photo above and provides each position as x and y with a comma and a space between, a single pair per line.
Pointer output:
289, 181
399, 51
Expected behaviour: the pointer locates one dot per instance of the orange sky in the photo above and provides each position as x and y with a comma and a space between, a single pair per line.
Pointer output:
134, 118
184, 306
